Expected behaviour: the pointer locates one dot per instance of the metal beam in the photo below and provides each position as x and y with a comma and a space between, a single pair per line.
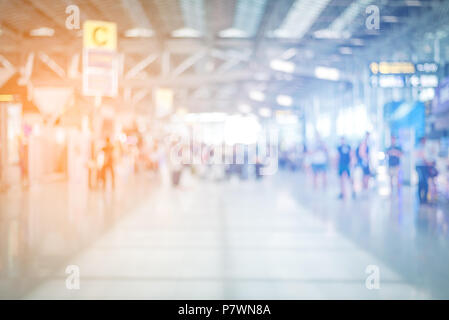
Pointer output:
191, 81
141, 66
27, 71
189, 62
140, 95
5, 62
52, 64
74, 66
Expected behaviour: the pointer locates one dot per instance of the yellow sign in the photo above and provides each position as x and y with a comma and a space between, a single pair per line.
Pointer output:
6, 98
392, 68
100, 35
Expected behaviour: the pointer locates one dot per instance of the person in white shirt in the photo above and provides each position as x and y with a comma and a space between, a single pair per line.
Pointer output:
319, 159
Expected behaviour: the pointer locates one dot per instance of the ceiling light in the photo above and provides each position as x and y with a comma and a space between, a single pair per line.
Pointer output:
356, 42
331, 34
233, 33
265, 112
245, 108
284, 66
186, 33
257, 96
345, 50
42, 32
390, 19
413, 3
290, 53
285, 101
261, 76
139, 33
326, 73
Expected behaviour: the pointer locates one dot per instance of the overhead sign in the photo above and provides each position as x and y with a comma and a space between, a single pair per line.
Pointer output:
6, 98
404, 74
100, 60
427, 67
100, 35
392, 67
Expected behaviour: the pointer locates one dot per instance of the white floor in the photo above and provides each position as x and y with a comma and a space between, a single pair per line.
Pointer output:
225, 241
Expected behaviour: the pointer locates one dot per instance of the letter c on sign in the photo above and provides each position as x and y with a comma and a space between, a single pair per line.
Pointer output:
100, 36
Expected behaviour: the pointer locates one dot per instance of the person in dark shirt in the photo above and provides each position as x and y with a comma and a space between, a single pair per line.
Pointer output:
394, 154
344, 167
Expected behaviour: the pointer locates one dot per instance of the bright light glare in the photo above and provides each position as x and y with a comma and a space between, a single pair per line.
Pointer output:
205, 117
353, 122
186, 33
233, 33
323, 125
281, 65
331, 34
286, 118
245, 108
42, 32
427, 94
327, 73
285, 101
60, 136
241, 129
257, 96
139, 33
265, 112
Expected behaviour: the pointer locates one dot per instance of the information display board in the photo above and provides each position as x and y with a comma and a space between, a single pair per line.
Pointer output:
100, 60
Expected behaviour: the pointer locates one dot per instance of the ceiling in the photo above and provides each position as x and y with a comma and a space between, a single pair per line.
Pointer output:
213, 51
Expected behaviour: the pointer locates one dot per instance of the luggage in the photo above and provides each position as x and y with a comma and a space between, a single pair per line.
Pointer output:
176, 177
432, 171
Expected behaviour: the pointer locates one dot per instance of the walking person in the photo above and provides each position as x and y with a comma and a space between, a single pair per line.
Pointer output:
394, 154
422, 171
319, 160
109, 163
344, 167
23, 160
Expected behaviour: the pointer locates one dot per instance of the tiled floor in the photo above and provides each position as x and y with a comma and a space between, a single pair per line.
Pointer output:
275, 239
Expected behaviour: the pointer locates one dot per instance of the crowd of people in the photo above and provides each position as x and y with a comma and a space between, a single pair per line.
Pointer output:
318, 159
348, 159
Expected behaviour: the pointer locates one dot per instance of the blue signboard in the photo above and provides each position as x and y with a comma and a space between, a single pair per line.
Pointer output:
403, 114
